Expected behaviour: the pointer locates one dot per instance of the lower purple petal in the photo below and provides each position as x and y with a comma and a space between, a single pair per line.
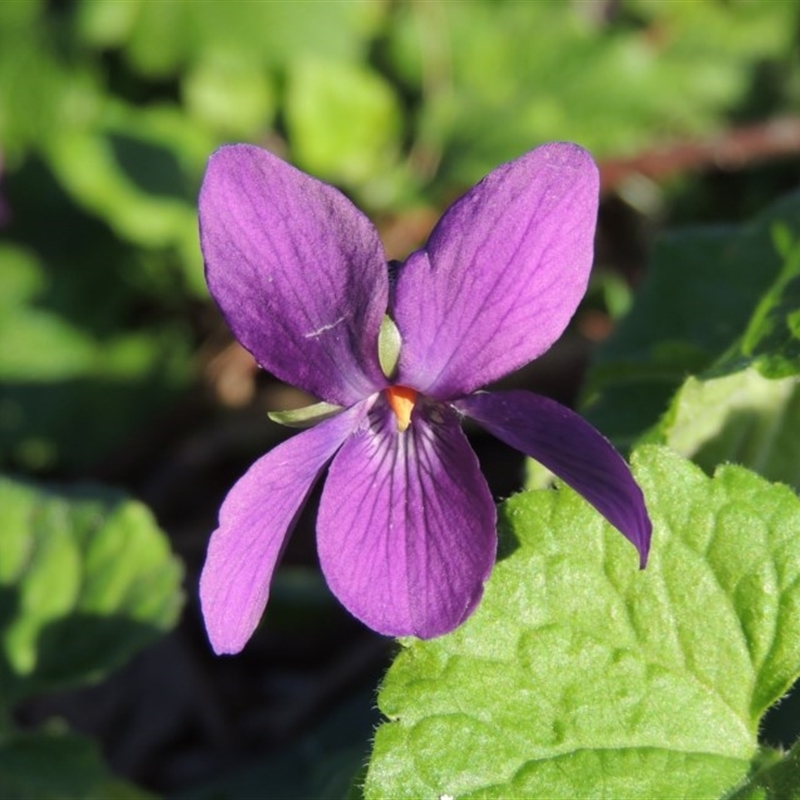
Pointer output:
254, 522
406, 527
572, 449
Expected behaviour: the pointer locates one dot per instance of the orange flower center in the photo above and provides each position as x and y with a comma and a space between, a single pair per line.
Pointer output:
402, 400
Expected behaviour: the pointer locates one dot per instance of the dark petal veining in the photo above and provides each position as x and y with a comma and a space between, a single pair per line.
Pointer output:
406, 527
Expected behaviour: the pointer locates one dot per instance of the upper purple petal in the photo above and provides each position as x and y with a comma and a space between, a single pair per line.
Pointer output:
406, 527
502, 273
254, 522
572, 449
298, 271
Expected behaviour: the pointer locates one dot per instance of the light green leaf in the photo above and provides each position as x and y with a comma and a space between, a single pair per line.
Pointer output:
499, 76
344, 121
34, 766
41, 95
230, 92
744, 418
702, 295
86, 580
160, 38
581, 676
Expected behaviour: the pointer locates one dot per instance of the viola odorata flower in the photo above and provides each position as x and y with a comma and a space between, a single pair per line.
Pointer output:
398, 353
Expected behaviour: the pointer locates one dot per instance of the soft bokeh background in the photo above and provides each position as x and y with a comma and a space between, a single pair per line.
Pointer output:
116, 369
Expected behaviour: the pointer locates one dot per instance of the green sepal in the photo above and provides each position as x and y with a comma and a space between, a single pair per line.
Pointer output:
389, 341
307, 416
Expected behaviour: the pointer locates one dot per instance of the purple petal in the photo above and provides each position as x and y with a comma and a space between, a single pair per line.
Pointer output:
254, 523
406, 528
572, 449
501, 275
298, 271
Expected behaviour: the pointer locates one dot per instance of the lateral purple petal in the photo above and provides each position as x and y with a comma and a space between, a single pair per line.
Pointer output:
502, 273
297, 270
570, 448
254, 522
406, 527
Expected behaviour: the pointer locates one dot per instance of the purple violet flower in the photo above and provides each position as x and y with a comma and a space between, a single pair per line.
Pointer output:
406, 525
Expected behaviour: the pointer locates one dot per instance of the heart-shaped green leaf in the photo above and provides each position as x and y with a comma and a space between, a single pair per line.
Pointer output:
581, 676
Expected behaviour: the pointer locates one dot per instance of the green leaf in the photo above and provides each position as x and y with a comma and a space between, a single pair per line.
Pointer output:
727, 412
344, 121
498, 76
160, 38
138, 170
61, 766
581, 676
771, 341
777, 779
64, 363
703, 293
231, 92
86, 580
744, 418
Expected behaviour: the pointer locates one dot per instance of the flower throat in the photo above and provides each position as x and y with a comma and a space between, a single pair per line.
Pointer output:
402, 399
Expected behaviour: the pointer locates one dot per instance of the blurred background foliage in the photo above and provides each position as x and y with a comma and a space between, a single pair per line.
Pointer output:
109, 109
114, 365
